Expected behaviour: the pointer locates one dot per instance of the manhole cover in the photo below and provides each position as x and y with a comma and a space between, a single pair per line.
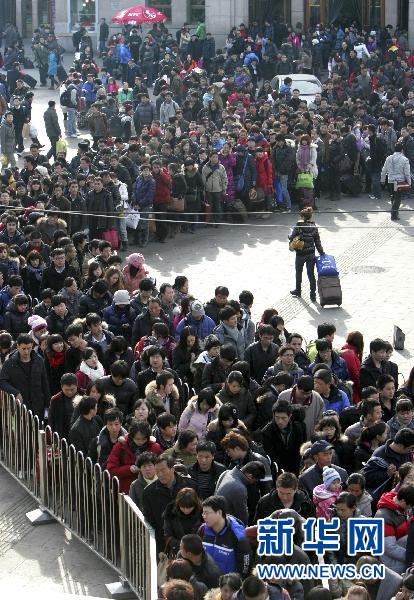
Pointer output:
366, 269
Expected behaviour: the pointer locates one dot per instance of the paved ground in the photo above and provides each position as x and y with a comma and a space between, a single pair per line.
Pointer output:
375, 257
45, 560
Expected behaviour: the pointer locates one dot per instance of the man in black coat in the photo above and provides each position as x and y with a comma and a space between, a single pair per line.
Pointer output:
283, 437
95, 300
86, 427
144, 322
262, 354
159, 494
55, 274
206, 471
285, 495
375, 364
215, 373
24, 375
99, 203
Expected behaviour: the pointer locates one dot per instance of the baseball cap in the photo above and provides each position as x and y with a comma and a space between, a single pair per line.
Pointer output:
197, 309
320, 446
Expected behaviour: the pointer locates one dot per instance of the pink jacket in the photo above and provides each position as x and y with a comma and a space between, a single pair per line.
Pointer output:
195, 420
132, 283
323, 500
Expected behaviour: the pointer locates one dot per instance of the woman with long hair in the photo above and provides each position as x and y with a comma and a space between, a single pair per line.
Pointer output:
114, 279
90, 368
185, 353
226, 421
235, 391
181, 517
123, 456
352, 352
142, 411
94, 273
55, 361
370, 439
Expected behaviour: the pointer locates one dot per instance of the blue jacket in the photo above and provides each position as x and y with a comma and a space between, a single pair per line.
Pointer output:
5, 297
52, 64
124, 55
338, 366
229, 548
117, 319
337, 400
90, 89
144, 191
203, 327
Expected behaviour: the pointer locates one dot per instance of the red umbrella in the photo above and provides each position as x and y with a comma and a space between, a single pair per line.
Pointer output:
139, 15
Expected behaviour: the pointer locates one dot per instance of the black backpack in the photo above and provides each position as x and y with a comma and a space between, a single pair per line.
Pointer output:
65, 98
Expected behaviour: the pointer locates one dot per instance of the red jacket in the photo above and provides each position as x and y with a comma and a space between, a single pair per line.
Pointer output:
350, 356
162, 187
122, 458
264, 178
395, 522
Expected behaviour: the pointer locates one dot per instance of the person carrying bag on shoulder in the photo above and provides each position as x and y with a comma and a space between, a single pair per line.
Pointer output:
397, 169
304, 240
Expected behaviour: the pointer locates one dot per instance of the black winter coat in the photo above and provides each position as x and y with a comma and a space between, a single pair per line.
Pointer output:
156, 498
31, 383
284, 452
177, 524
369, 373
15, 322
52, 279
284, 160
57, 325
214, 375
308, 233
270, 502
88, 304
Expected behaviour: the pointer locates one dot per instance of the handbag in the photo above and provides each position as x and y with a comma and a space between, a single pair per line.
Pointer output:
111, 236
304, 180
176, 204
4, 161
402, 187
240, 180
61, 146
131, 217
296, 244
26, 131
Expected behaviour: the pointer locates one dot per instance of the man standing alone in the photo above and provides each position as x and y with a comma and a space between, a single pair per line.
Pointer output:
53, 130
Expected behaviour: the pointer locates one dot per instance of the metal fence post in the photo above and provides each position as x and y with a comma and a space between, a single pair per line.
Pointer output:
43, 467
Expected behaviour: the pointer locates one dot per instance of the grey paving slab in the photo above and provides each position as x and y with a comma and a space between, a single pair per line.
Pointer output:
43, 560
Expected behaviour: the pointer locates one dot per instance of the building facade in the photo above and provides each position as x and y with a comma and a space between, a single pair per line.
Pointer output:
219, 15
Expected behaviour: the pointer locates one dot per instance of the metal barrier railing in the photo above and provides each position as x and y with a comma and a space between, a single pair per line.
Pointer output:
79, 494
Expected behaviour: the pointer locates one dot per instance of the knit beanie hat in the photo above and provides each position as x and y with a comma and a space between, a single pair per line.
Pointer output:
136, 260
329, 476
36, 323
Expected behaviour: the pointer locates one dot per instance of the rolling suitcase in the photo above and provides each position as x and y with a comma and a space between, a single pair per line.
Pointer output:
330, 292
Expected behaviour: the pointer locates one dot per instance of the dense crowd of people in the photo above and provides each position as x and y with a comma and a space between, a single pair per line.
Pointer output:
209, 420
